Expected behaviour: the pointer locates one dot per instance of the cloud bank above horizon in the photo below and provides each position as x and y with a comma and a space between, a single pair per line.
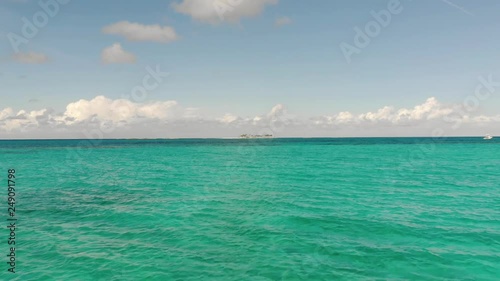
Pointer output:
102, 117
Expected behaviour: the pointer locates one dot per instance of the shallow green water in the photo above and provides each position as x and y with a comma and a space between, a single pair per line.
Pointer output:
279, 209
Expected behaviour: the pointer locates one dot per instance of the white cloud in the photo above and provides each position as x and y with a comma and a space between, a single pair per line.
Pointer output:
228, 118
215, 11
31, 57
116, 54
22, 120
120, 110
6, 112
429, 110
283, 21
277, 110
430, 113
139, 32
169, 119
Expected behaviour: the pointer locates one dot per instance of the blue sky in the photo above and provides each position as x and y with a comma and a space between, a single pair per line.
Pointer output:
246, 63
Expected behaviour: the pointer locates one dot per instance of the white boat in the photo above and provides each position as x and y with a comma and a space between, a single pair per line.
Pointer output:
487, 137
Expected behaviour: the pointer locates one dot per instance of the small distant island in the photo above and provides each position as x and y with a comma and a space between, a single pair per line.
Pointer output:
247, 136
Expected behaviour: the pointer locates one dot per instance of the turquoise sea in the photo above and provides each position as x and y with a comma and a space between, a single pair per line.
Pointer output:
262, 209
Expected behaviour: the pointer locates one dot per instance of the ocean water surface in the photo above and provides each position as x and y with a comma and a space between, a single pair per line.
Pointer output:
257, 209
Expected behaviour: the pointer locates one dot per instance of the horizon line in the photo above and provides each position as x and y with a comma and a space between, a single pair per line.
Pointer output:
238, 138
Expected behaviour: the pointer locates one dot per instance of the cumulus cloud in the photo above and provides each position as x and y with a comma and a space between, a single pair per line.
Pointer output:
30, 58
277, 110
215, 11
116, 54
140, 32
116, 111
22, 120
430, 109
6, 112
169, 119
283, 21
99, 110
228, 118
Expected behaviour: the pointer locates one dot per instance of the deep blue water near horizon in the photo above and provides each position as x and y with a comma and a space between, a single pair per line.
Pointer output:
256, 209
